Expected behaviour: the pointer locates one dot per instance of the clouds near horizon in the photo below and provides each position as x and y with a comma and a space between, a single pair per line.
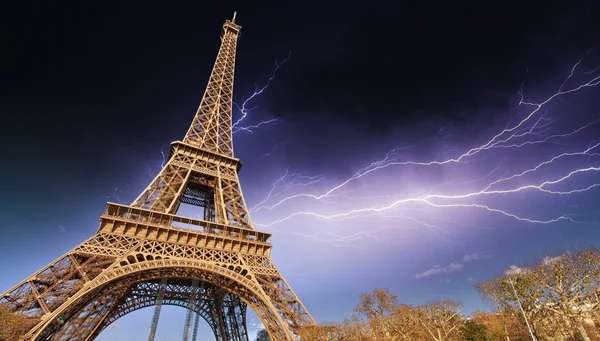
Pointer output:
453, 266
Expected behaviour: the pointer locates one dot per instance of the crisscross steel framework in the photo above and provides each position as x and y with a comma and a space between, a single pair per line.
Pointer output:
145, 254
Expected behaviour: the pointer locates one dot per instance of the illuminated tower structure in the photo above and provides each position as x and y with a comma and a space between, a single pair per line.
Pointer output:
145, 254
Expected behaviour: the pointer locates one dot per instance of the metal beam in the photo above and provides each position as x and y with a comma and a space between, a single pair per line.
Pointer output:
188, 318
157, 308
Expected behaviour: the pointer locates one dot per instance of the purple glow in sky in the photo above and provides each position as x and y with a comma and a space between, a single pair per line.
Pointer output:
487, 177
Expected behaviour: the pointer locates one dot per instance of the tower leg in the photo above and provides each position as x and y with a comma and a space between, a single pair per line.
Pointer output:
190, 311
156, 315
235, 318
196, 322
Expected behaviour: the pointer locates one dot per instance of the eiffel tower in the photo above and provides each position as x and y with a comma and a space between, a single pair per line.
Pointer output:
144, 254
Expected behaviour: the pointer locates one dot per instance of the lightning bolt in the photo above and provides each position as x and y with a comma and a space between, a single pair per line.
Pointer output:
270, 152
551, 176
337, 240
236, 127
244, 110
254, 126
114, 196
286, 182
163, 161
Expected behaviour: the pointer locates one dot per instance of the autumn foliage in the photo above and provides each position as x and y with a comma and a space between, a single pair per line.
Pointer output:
559, 296
12, 326
379, 316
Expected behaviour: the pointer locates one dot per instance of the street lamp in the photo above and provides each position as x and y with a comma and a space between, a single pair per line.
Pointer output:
520, 306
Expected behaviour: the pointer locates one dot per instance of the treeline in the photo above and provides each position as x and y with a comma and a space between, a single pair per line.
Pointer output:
554, 298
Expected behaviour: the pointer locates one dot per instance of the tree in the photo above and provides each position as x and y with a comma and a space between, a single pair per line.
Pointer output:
404, 323
473, 331
348, 331
12, 326
503, 326
491, 294
565, 281
262, 335
517, 294
375, 309
441, 319
377, 304
558, 294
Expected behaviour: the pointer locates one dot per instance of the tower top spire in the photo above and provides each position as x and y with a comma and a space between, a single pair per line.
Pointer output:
211, 129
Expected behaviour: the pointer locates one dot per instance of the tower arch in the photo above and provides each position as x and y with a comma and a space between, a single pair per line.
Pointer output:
102, 294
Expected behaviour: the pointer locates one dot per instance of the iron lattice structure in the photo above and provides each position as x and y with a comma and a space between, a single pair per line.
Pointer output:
144, 254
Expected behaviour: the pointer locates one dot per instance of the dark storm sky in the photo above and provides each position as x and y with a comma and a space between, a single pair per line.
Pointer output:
91, 92
123, 59
111, 74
